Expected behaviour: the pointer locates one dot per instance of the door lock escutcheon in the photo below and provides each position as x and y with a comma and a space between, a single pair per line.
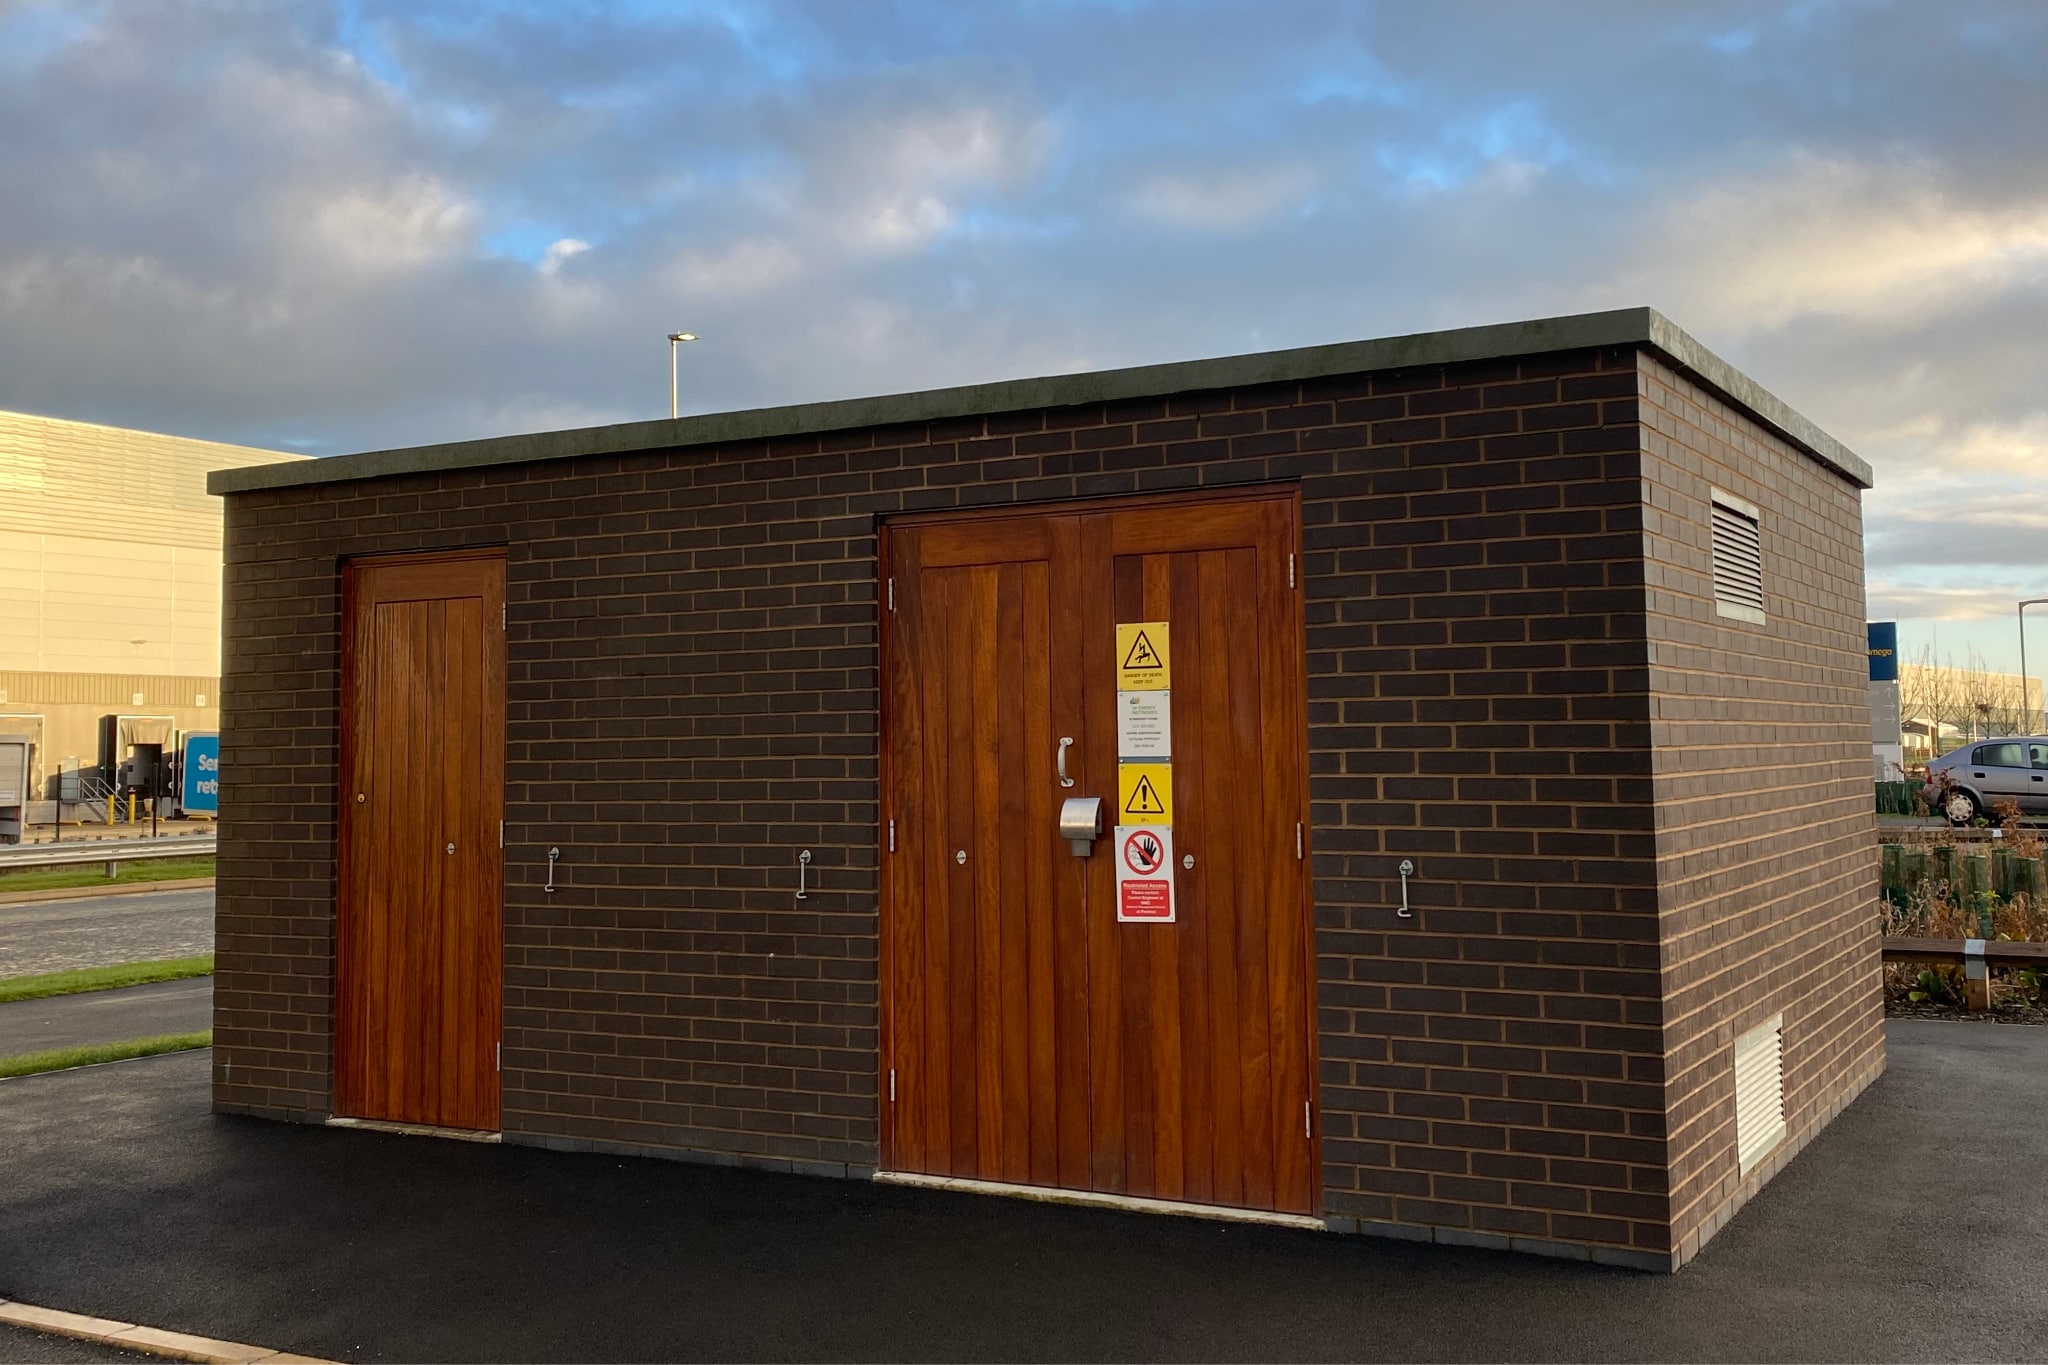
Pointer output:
1081, 823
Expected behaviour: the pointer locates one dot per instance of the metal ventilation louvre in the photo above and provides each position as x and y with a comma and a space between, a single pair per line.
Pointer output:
1738, 558
1759, 1092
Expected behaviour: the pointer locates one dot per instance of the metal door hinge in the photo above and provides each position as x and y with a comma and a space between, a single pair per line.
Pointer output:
501, 1056
892, 594
892, 836
1297, 841
1290, 571
892, 1085
501, 834
505, 614
1308, 1128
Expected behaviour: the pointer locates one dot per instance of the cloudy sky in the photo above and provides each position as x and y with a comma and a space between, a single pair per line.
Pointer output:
333, 225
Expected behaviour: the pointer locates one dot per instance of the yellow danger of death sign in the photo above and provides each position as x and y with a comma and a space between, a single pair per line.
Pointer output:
1142, 657
1144, 793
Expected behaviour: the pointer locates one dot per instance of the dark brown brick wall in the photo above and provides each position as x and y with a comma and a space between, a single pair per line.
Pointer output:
1762, 774
1479, 704
692, 700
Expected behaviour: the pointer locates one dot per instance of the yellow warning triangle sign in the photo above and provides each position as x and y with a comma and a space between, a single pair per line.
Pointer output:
1146, 651
1144, 800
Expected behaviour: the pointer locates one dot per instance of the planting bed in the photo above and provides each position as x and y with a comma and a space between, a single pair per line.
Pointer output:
2010, 1010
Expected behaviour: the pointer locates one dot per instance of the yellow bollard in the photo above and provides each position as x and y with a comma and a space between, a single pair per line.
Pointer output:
131, 808
110, 809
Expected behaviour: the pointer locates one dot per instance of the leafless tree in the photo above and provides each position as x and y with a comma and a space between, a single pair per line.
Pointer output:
1954, 702
1926, 693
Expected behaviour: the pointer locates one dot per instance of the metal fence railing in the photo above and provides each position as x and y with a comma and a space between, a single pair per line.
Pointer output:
110, 852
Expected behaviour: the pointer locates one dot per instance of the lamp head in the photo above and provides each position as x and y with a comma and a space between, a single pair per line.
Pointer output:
682, 336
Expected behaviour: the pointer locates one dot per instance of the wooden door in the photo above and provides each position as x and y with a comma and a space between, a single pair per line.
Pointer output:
1029, 1036
985, 937
419, 938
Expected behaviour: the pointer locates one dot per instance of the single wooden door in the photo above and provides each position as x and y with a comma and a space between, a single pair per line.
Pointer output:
1029, 1036
419, 937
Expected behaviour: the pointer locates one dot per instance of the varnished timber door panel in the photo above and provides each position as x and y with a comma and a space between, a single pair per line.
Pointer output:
1201, 1052
984, 955
1028, 1036
419, 938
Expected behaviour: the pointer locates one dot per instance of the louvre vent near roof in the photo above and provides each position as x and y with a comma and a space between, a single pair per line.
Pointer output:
1738, 558
1759, 1092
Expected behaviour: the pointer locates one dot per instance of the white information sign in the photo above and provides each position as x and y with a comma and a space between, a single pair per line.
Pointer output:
1144, 874
1144, 725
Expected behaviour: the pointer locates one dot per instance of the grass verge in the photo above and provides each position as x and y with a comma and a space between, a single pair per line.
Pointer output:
148, 870
104, 978
64, 1058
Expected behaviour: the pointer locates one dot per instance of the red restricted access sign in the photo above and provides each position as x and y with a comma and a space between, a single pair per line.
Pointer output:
1144, 873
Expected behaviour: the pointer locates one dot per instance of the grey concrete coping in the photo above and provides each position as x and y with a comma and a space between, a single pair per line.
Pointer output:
1621, 327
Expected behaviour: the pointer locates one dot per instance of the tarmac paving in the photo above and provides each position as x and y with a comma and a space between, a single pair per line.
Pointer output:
1915, 1228
104, 931
106, 1016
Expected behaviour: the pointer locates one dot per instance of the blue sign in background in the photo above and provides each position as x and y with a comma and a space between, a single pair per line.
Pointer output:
202, 775
1884, 650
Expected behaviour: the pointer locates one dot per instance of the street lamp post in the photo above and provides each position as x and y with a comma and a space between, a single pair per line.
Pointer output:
2029, 602
673, 339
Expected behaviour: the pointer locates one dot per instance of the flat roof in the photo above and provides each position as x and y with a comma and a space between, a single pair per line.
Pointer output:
1583, 331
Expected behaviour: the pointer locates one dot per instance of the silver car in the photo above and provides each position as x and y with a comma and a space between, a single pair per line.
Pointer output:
1981, 776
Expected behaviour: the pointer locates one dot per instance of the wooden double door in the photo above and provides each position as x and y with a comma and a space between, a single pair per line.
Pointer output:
419, 937
1029, 1036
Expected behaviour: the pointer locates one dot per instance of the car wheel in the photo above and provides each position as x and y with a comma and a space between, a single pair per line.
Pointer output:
1961, 808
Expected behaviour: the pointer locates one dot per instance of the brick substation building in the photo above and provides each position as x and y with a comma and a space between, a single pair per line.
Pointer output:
692, 788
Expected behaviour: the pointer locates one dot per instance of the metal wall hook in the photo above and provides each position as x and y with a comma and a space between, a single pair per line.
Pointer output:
553, 854
1407, 870
803, 862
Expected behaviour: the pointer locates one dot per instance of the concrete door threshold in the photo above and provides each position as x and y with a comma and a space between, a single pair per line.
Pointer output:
1045, 1194
416, 1129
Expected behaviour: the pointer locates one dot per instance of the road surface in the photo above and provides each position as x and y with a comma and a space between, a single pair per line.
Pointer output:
104, 931
92, 1017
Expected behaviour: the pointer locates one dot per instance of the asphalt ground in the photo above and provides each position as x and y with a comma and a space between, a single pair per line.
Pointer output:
1914, 1228
106, 1016
104, 931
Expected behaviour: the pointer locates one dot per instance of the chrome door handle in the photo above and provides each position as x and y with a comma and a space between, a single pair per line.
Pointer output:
1060, 761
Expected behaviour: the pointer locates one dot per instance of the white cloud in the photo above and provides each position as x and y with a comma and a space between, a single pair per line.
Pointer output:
1894, 601
398, 226
751, 266
895, 180
901, 222
560, 251
1221, 200
963, 145
1877, 241
2017, 448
